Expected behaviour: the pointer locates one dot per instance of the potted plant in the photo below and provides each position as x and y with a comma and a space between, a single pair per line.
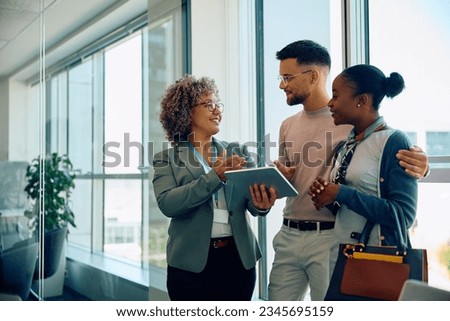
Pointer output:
50, 182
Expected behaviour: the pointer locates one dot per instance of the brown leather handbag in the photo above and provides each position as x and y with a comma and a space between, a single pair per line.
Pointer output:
375, 272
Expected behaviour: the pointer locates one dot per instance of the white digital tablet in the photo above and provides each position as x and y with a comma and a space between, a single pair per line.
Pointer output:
269, 176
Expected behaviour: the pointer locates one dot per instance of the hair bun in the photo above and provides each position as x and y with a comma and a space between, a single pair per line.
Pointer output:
394, 84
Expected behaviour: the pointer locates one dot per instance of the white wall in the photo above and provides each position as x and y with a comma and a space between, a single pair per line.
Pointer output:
24, 114
19, 121
223, 49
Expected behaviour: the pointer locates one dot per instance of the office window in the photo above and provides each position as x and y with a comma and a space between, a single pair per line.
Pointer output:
282, 27
96, 117
123, 104
412, 137
103, 113
123, 123
123, 208
438, 143
80, 116
57, 114
165, 49
416, 47
78, 124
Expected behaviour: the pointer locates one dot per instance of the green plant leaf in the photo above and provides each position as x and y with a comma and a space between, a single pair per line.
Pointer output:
51, 181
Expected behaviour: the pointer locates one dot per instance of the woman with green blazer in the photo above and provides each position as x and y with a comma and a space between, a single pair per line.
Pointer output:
211, 250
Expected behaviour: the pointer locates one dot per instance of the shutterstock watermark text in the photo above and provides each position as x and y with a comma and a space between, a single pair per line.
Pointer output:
311, 153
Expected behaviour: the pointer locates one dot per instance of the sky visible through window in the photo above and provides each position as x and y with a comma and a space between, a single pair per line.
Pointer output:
417, 46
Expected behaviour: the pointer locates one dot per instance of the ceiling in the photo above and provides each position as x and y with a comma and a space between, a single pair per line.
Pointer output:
69, 26
16, 16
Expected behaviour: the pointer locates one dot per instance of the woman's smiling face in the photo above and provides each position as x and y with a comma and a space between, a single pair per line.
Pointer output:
343, 102
205, 122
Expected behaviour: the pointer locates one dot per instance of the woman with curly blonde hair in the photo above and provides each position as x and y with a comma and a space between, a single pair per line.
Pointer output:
211, 250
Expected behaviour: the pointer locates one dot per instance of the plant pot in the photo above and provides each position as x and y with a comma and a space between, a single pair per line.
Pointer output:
52, 249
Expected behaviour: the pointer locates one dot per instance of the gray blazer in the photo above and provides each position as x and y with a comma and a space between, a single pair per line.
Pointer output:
184, 193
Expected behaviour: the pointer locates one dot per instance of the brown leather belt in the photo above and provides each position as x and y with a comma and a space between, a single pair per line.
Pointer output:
222, 242
308, 225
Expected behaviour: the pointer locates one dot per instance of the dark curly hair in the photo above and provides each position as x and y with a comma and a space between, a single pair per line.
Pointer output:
178, 101
371, 80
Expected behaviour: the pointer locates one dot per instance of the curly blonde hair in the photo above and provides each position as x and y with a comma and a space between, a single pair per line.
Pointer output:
178, 101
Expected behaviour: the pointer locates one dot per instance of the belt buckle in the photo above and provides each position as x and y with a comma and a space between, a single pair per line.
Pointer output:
294, 224
215, 244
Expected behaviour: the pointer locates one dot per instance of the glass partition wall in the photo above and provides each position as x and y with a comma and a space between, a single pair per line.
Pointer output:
24, 264
101, 111
91, 105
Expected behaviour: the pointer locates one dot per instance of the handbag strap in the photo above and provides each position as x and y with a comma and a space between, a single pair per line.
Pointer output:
345, 150
363, 237
403, 241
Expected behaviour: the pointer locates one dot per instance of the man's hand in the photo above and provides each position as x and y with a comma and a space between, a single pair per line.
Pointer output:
288, 172
414, 161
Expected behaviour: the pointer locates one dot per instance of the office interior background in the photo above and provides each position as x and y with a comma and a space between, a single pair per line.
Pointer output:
84, 78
